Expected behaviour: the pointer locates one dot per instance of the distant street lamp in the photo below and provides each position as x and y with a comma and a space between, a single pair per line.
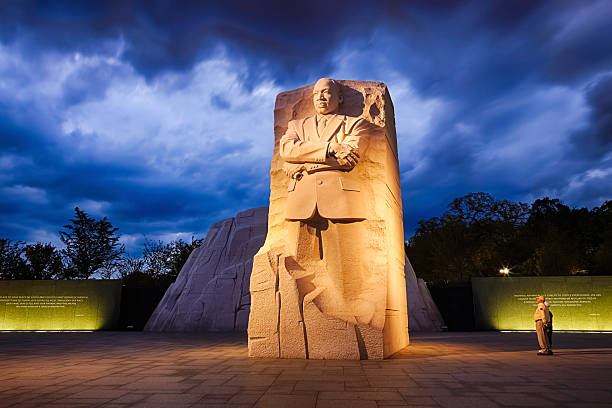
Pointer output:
504, 271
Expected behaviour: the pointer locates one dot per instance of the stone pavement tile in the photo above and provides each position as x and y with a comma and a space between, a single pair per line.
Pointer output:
284, 401
156, 386
357, 382
20, 400
353, 371
281, 388
319, 386
134, 370
424, 392
62, 404
383, 371
390, 381
130, 398
346, 404
361, 395
212, 400
284, 381
431, 376
73, 389
523, 400
567, 396
272, 370
34, 383
67, 366
343, 363
245, 398
112, 380
162, 379
97, 392
465, 402
218, 379
422, 401
299, 375
92, 402
527, 389
172, 399
247, 381
594, 395
303, 392
55, 389
453, 385
205, 389
485, 377
593, 405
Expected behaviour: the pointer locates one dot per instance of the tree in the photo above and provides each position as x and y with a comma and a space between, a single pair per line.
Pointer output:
155, 258
12, 263
167, 259
130, 265
32, 261
90, 245
44, 261
475, 237
478, 235
179, 251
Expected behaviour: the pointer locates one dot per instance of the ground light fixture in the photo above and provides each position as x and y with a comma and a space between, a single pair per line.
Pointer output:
504, 271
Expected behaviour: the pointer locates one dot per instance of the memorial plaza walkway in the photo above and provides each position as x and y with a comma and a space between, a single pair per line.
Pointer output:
136, 369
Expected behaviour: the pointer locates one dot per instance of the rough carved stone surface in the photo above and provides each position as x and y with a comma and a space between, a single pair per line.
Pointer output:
198, 279
211, 293
423, 314
329, 281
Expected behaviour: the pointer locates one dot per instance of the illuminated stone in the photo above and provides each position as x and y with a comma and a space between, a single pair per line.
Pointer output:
59, 304
203, 299
423, 314
577, 302
211, 293
329, 280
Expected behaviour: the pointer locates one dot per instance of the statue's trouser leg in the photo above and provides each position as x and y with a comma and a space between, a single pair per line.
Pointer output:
335, 250
345, 260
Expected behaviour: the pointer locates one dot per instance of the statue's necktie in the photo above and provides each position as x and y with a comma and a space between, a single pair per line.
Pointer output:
321, 125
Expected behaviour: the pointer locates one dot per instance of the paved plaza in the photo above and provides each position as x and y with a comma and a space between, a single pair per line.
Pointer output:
135, 369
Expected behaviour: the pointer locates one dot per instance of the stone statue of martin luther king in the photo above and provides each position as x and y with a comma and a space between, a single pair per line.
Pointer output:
328, 282
319, 153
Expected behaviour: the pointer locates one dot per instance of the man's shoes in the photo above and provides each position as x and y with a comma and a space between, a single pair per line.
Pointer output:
545, 353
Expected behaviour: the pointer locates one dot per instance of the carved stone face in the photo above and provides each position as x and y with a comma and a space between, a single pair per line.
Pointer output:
326, 96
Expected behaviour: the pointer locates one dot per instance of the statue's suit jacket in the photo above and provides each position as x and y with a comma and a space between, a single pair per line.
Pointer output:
323, 184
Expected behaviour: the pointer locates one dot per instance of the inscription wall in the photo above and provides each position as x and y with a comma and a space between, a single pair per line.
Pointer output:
59, 305
577, 302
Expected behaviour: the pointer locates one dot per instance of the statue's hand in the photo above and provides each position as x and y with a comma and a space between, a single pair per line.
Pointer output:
344, 153
294, 170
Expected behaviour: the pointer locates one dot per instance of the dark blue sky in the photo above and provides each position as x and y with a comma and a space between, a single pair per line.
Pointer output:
158, 114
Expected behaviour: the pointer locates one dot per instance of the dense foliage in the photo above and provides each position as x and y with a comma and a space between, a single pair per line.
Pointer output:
478, 235
91, 245
92, 249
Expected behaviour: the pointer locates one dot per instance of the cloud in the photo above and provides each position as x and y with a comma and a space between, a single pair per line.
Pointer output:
25, 193
592, 187
159, 114
595, 139
131, 149
578, 46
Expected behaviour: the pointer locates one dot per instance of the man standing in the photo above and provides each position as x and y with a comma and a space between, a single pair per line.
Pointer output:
543, 321
326, 205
